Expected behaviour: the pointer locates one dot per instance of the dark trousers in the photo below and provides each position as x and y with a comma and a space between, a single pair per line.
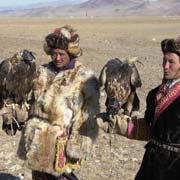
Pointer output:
37, 175
159, 164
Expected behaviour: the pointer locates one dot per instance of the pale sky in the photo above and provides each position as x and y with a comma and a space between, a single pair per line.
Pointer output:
20, 2
4, 3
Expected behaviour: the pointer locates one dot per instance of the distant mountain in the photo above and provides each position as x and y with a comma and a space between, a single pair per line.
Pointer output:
157, 8
56, 3
101, 3
81, 8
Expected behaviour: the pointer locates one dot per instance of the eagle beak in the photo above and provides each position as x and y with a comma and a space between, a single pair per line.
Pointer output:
28, 56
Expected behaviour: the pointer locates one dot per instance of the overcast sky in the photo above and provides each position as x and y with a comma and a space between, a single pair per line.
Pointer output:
19, 2
4, 3
25, 2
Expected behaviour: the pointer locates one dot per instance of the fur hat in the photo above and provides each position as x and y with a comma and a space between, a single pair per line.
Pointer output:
64, 38
171, 45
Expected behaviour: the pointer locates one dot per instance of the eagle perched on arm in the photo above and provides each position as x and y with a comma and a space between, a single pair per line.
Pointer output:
16, 79
120, 80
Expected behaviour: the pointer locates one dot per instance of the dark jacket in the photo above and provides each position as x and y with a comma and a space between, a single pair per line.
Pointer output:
159, 163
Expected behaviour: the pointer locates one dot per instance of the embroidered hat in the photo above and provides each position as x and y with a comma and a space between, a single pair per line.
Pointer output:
171, 45
64, 38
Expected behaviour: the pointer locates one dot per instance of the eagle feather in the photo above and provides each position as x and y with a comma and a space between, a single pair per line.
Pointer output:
16, 80
16, 77
120, 80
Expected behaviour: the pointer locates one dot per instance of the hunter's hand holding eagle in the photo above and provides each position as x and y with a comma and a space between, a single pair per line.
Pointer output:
16, 79
120, 80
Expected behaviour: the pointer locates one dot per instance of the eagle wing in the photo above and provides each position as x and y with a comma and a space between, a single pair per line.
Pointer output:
5, 68
135, 77
16, 80
16, 76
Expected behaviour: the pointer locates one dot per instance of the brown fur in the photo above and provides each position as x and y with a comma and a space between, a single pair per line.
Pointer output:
69, 103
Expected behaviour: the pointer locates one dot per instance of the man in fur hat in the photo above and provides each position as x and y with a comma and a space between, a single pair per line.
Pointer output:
61, 127
161, 124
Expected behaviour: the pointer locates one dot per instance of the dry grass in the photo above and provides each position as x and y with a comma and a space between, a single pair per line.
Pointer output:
101, 40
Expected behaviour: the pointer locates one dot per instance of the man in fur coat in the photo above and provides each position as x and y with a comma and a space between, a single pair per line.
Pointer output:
61, 128
161, 124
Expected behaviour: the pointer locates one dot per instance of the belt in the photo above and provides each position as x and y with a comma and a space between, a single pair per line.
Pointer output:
168, 147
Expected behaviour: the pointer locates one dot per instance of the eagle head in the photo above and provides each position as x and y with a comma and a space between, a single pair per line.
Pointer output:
27, 56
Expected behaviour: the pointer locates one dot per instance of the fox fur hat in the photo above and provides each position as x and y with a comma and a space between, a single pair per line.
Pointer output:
171, 45
65, 38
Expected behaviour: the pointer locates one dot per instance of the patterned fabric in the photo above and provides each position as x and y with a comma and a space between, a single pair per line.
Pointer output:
61, 162
163, 99
160, 163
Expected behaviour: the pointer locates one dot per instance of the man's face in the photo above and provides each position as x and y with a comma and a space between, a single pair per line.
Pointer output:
171, 66
60, 58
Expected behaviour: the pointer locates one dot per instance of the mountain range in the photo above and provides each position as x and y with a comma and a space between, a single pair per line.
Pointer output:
82, 8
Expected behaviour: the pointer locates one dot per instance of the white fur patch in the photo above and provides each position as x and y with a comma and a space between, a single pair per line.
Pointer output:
67, 117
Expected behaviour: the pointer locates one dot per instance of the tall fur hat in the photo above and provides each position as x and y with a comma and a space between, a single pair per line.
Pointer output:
64, 38
171, 45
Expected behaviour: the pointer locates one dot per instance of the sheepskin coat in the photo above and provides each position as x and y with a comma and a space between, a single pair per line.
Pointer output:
65, 102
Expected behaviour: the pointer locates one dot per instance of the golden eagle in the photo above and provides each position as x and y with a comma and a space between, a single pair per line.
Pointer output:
16, 78
120, 79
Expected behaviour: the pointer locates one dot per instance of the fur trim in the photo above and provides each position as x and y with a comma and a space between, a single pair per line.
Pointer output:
67, 103
171, 45
40, 145
64, 38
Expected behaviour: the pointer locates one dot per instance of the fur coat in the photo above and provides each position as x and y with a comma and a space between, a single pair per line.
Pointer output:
65, 103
